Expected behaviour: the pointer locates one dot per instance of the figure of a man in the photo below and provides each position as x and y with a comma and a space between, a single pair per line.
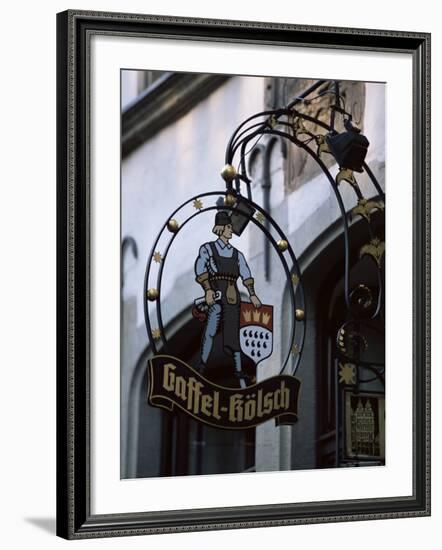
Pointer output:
217, 268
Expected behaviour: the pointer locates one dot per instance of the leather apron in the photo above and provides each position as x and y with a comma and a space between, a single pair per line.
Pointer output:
225, 280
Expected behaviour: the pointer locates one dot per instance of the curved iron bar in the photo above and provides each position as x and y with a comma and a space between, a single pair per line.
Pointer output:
299, 143
266, 186
228, 158
297, 271
344, 326
340, 204
264, 124
378, 375
146, 307
272, 129
307, 92
269, 236
273, 242
360, 362
255, 153
374, 180
294, 112
361, 322
248, 186
246, 140
379, 277
147, 272
244, 171
232, 147
330, 129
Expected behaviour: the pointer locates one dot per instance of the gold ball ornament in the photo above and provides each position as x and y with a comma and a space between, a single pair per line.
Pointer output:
173, 225
152, 294
299, 314
229, 200
228, 173
282, 245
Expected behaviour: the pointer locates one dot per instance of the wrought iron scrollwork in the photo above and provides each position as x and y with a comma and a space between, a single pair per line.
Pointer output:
292, 124
207, 202
299, 128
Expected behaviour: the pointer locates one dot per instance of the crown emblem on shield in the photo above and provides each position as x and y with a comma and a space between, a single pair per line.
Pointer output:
266, 318
256, 331
257, 316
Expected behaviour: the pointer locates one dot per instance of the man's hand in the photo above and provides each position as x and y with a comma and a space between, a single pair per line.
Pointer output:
210, 297
255, 301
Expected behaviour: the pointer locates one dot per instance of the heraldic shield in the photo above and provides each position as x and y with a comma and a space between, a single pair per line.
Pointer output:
256, 331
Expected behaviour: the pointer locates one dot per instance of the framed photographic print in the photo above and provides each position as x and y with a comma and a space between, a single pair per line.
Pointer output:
243, 274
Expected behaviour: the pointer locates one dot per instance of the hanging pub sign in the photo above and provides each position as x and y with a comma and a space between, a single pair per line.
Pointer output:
229, 383
241, 375
176, 384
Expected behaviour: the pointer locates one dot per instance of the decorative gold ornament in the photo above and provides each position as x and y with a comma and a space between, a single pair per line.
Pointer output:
362, 297
341, 342
322, 144
347, 373
365, 207
157, 258
299, 314
282, 245
345, 174
265, 318
295, 279
260, 217
198, 204
295, 349
375, 248
299, 128
229, 200
173, 226
156, 334
272, 121
228, 173
152, 294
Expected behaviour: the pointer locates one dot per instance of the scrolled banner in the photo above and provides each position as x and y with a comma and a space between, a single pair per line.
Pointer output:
173, 383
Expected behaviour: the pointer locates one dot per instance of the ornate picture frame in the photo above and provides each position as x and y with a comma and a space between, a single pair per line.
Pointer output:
76, 518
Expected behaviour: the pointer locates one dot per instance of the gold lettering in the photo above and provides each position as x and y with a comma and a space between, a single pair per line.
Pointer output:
241, 407
250, 409
180, 387
281, 398
206, 404
169, 377
277, 399
194, 394
235, 408
259, 410
285, 395
216, 405
268, 404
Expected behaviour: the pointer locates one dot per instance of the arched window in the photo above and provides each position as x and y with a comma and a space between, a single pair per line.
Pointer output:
333, 431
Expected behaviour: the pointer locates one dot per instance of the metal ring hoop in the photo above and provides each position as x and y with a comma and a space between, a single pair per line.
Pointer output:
289, 272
